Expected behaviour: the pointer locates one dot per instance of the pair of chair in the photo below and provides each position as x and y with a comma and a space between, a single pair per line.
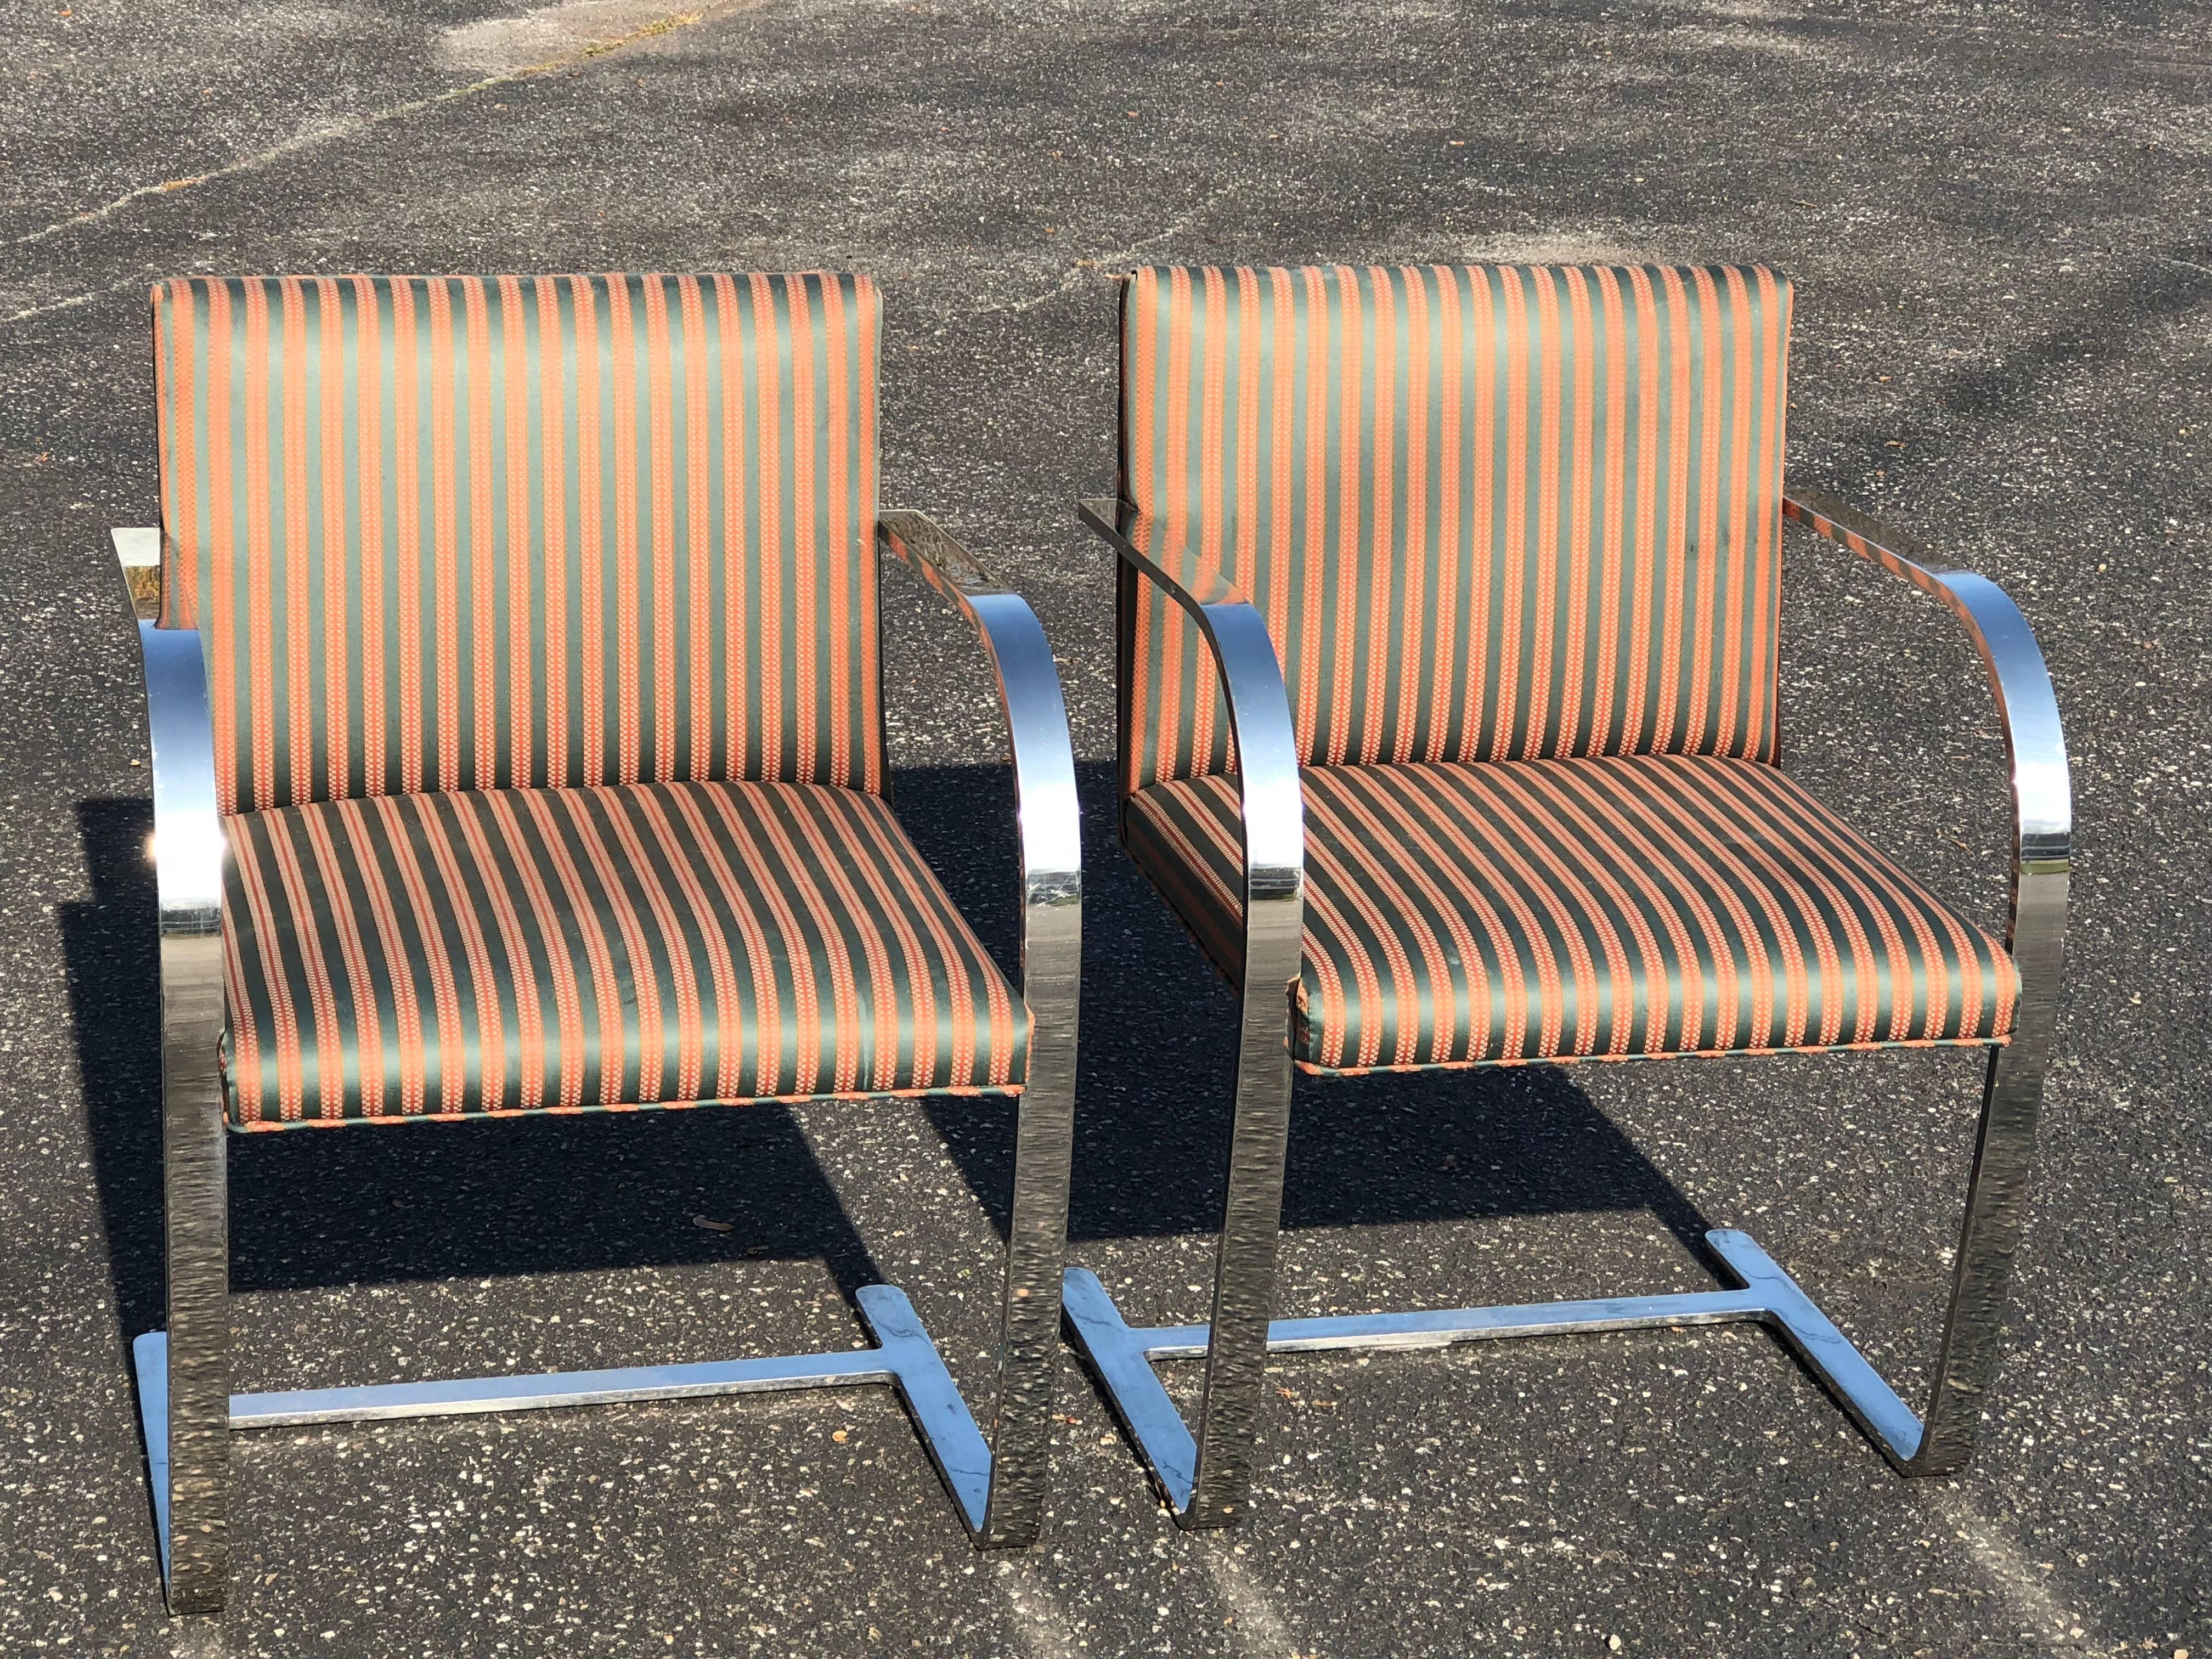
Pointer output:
512, 657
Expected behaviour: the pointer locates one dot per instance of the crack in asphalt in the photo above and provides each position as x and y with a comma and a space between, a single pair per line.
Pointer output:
667, 23
1103, 264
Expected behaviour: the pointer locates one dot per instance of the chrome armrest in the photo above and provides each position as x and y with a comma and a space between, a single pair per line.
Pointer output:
189, 848
1271, 798
1208, 1478
2042, 785
1045, 804
1051, 834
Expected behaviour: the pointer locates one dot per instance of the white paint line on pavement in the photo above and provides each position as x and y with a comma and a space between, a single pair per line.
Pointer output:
2027, 1587
1260, 1630
665, 23
1038, 1616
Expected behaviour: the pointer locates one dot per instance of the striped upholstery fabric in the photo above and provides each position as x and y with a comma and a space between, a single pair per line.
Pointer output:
1608, 908
458, 533
1491, 513
446, 955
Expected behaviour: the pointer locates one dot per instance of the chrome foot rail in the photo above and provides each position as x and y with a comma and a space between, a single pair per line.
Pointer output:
1120, 1355
903, 1357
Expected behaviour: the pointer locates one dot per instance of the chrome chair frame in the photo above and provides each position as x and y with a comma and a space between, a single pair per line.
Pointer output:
185, 1406
1206, 1479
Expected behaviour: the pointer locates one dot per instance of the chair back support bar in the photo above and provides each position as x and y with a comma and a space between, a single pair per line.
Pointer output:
1490, 513
461, 532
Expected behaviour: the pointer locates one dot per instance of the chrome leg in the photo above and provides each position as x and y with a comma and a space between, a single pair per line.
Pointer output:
1996, 1191
186, 1412
1272, 819
192, 1480
904, 1357
1997, 1196
2043, 828
1207, 1477
1037, 1251
940, 1416
1049, 822
1244, 1266
1120, 1357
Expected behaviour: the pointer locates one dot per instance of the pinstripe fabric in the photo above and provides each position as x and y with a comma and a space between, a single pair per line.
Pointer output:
1604, 908
460, 533
450, 954
1491, 513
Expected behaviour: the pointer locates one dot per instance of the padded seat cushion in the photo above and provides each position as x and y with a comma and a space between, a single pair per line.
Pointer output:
562, 949
1613, 909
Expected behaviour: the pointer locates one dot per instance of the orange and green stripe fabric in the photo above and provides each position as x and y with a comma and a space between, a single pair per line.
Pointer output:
540, 621
1491, 513
473, 952
462, 532
1613, 908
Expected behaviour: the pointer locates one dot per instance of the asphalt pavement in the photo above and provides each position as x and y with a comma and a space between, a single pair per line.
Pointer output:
1999, 219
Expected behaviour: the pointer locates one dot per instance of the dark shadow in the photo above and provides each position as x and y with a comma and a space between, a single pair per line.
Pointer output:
417, 1200
384, 1203
109, 945
1158, 1071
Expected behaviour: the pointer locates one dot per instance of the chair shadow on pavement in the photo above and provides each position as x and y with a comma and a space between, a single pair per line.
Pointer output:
1158, 1071
542, 1194
566, 1194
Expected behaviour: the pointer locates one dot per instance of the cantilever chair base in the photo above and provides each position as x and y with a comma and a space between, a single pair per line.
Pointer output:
1121, 1356
1489, 613
903, 1357
1001, 1484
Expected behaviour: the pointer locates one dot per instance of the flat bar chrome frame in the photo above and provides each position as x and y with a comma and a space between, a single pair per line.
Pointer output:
186, 1419
1123, 1355
903, 1357
186, 1407
1205, 1477
1050, 822
1273, 814
2035, 935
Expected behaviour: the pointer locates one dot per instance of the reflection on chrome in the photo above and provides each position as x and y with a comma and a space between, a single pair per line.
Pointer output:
1206, 1477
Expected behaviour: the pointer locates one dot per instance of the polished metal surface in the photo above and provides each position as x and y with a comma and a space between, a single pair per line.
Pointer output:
1051, 838
1273, 811
1122, 1355
2043, 825
191, 1482
139, 553
186, 1407
904, 1357
1204, 1477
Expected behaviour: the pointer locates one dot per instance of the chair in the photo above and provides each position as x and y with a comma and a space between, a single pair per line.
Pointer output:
1448, 675
512, 661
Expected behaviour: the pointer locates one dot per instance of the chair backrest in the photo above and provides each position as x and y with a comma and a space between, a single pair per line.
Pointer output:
1491, 513
461, 532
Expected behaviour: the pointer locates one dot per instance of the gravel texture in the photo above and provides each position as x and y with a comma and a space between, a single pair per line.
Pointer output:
1996, 217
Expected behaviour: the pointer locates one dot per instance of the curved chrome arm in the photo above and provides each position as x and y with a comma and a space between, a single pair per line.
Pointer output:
2042, 788
1050, 831
1259, 709
2042, 825
189, 849
190, 854
1211, 1489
